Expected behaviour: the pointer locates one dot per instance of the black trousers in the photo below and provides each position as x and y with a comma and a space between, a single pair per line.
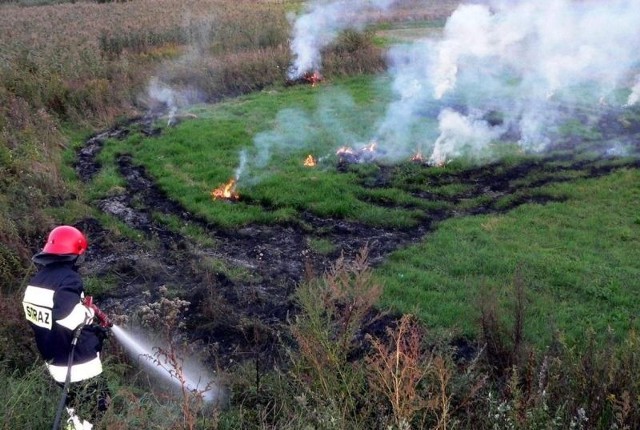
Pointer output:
89, 398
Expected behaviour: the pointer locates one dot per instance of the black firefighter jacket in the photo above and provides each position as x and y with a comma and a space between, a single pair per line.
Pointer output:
53, 306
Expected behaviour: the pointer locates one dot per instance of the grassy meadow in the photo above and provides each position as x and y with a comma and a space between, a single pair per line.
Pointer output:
576, 258
517, 310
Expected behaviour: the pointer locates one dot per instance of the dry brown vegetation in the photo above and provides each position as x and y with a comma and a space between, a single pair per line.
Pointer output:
87, 64
89, 60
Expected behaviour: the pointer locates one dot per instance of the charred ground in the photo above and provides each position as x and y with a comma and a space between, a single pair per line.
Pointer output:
242, 315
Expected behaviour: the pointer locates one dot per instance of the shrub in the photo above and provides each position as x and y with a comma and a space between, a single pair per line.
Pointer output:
504, 345
353, 53
113, 45
30, 182
327, 334
232, 74
396, 369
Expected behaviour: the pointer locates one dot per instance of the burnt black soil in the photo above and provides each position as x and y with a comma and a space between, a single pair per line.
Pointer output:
241, 315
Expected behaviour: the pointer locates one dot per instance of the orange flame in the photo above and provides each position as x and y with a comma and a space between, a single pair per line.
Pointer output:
313, 78
226, 191
370, 147
345, 150
310, 161
418, 157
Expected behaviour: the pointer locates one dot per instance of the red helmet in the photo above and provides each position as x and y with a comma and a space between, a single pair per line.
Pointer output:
65, 240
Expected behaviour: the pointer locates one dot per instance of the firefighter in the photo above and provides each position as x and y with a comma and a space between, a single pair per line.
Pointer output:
55, 306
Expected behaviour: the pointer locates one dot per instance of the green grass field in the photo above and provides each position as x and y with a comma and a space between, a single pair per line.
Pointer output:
191, 160
578, 261
577, 258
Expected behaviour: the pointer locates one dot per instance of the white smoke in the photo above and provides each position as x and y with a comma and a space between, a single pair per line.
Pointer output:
290, 132
529, 60
468, 33
163, 94
461, 135
502, 72
242, 165
168, 100
336, 121
634, 97
165, 98
321, 23
291, 128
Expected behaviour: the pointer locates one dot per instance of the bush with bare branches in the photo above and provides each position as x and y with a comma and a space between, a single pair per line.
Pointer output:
397, 368
326, 331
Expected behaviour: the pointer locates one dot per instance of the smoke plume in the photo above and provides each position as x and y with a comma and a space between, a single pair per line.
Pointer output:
502, 72
460, 133
166, 95
529, 61
335, 121
321, 23
168, 100
163, 94
634, 97
241, 166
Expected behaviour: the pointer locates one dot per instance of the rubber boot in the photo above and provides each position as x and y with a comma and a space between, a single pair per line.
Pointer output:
75, 423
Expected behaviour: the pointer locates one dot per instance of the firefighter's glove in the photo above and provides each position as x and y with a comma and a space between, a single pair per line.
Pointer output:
102, 332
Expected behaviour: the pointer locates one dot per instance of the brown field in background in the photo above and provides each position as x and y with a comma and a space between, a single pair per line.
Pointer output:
67, 34
73, 38
69, 69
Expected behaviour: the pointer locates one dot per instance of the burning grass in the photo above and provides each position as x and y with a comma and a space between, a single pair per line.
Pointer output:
466, 254
354, 172
186, 152
363, 154
88, 63
226, 191
577, 274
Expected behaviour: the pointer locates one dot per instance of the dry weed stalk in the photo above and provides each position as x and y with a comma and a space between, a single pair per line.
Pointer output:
192, 399
397, 368
504, 343
442, 402
411, 378
166, 314
350, 294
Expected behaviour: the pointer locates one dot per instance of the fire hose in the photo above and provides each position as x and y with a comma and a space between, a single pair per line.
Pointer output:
105, 323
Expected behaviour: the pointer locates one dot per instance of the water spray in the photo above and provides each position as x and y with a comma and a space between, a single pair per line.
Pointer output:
189, 376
